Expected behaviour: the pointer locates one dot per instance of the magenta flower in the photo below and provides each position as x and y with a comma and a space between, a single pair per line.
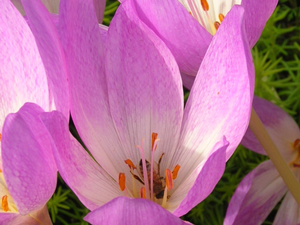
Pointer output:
127, 105
263, 188
186, 26
27, 74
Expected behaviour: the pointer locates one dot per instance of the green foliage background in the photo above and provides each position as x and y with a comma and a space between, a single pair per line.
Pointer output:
277, 67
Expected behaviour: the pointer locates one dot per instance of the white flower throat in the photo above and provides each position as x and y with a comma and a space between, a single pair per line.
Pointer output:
209, 13
147, 176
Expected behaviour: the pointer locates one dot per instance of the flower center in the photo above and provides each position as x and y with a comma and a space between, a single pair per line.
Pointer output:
209, 14
147, 176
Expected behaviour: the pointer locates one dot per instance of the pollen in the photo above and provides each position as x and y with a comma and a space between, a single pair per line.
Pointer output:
122, 180
130, 164
153, 139
217, 25
169, 179
4, 203
221, 17
204, 5
175, 172
143, 192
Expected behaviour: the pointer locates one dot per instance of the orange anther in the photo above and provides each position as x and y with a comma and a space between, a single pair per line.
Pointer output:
204, 5
143, 192
0, 136
175, 172
130, 164
4, 203
169, 179
153, 138
122, 181
217, 24
221, 17
297, 144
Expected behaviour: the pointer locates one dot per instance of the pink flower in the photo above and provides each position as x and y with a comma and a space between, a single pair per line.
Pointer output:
185, 28
263, 188
127, 105
30, 72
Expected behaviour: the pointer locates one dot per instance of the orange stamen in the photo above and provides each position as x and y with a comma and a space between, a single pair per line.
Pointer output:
204, 5
169, 179
297, 144
0, 136
122, 181
5, 203
217, 24
130, 164
153, 138
143, 192
175, 172
221, 17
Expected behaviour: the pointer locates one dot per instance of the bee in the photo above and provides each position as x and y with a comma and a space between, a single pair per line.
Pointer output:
159, 183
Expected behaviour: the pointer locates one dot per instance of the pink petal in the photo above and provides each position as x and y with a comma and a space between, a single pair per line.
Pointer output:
99, 8
51, 51
36, 218
257, 13
220, 101
144, 86
289, 211
281, 127
83, 175
208, 175
184, 36
124, 210
84, 49
5, 218
28, 164
256, 196
22, 74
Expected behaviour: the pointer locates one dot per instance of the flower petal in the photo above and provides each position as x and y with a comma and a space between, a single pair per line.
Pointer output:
256, 196
5, 218
99, 8
84, 176
36, 218
289, 211
281, 127
220, 101
22, 74
51, 51
144, 86
256, 15
84, 49
124, 210
28, 164
184, 36
201, 182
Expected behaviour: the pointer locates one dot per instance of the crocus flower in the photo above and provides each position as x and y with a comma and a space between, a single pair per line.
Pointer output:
127, 105
27, 167
263, 188
186, 26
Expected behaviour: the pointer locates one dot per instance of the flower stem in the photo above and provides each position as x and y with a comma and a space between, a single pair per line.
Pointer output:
266, 142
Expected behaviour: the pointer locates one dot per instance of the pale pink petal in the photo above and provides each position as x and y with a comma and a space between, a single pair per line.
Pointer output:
5, 218
184, 36
28, 164
127, 211
281, 127
34, 218
257, 13
289, 212
51, 51
83, 175
99, 8
144, 87
204, 180
220, 101
256, 196
82, 41
22, 74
